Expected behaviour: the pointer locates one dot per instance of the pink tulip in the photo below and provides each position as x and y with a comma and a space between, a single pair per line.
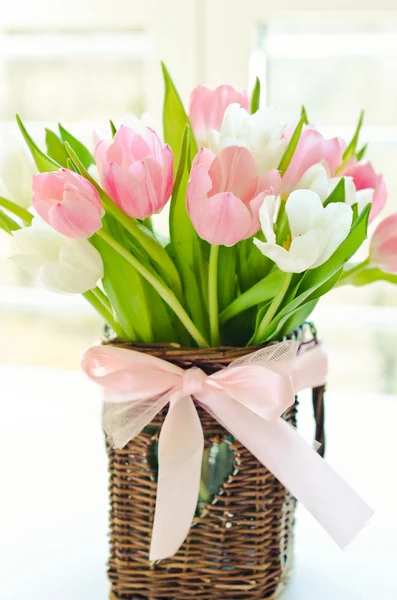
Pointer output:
364, 178
312, 148
136, 170
225, 194
67, 202
207, 106
383, 246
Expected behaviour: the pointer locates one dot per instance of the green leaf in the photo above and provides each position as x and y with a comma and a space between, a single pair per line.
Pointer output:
255, 97
82, 152
55, 148
112, 128
361, 152
351, 148
338, 194
7, 224
294, 314
304, 115
366, 276
187, 248
124, 286
290, 149
261, 292
252, 266
17, 211
71, 166
297, 318
227, 285
44, 163
175, 118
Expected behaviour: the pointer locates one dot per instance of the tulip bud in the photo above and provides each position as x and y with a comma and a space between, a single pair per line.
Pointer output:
383, 245
261, 133
67, 202
60, 264
208, 106
312, 149
136, 171
367, 182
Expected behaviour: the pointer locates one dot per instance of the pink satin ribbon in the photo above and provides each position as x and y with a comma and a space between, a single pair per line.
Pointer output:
247, 399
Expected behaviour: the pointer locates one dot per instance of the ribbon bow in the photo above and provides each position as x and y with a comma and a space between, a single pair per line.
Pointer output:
247, 398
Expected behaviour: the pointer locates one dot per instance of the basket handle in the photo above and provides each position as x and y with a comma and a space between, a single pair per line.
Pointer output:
319, 415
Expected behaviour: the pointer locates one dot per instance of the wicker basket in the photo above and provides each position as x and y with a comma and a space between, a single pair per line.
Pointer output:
239, 547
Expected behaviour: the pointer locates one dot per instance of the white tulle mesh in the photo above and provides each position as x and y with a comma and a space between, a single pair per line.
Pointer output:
122, 422
124, 419
277, 357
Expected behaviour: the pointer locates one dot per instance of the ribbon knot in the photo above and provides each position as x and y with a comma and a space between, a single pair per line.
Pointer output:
247, 399
193, 381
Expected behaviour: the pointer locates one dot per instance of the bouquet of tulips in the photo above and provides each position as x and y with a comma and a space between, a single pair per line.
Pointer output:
263, 219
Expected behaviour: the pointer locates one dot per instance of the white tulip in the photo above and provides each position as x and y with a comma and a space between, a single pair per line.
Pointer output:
261, 133
16, 170
60, 264
316, 231
352, 196
317, 180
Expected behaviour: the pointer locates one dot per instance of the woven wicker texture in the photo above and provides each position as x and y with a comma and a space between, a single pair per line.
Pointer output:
240, 546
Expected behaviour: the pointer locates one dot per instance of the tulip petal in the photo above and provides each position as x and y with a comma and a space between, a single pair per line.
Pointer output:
299, 257
234, 170
316, 179
61, 264
304, 211
74, 220
270, 183
312, 149
136, 170
148, 183
126, 192
207, 106
80, 253
199, 182
383, 247
221, 219
365, 177
337, 223
266, 216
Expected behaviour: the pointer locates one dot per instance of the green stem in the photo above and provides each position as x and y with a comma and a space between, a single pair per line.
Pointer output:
103, 298
261, 292
273, 308
18, 211
165, 293
213, 295
100, 308
353, 270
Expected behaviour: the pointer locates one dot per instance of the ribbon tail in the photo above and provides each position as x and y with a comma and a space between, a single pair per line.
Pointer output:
278, 446
180, 454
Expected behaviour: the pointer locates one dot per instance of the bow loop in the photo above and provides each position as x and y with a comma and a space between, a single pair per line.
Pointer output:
262, 391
